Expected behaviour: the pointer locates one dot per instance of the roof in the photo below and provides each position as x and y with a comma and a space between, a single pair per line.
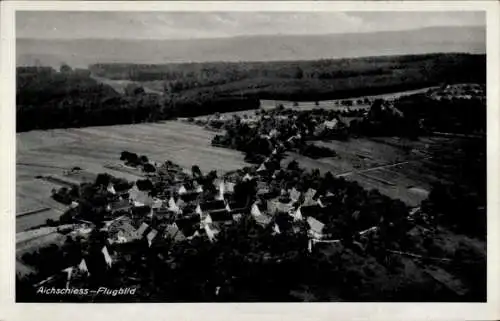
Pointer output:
189, 196
123, 228
310, 193
237, 216
213, 205
330, 124
120, 205
262, 219
229, 186
241, 210
173, 232
188, 224
294, 194
237, 205
140, 231
274, 205
315, 225
221, 215
157, 203
141, 210
311, 210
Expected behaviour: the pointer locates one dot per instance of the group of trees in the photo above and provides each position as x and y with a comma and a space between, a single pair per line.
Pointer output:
306, 80
49, 99
452, 115
71, 98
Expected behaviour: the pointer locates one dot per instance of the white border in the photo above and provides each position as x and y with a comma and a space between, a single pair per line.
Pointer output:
384, 311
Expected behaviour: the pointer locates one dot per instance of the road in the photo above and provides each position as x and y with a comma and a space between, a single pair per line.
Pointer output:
380, 167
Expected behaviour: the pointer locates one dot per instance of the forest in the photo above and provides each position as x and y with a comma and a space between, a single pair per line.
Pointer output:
307, 80
47, 98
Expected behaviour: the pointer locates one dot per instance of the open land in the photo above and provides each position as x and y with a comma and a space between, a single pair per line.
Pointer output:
399, 168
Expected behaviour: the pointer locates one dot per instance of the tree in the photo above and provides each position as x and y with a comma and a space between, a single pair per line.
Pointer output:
144, 185
299, 73
148, 168
144, 159
65, 68
196, 171
293, 165
103, 180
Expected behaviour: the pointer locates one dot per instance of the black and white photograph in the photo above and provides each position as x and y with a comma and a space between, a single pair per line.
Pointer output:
250, 156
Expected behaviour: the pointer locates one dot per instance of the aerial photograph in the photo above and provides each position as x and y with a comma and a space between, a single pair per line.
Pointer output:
250, 156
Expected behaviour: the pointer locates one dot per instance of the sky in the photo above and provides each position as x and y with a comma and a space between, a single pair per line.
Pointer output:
192, 25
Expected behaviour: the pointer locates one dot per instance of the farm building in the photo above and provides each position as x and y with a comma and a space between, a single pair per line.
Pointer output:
315, 227
172, 232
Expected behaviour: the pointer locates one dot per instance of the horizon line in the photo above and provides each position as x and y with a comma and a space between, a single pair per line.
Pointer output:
258, 35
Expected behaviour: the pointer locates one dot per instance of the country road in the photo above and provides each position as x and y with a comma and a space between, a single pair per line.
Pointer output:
380, 167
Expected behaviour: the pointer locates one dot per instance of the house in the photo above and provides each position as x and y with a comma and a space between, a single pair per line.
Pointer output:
294, 194
190, 196
141, 211
297, 214
188, 224
315, 227
238, 206
229, 187
157, 203
122, 231
172, 232
139, 198
276, 206
255, 211
172, 206
237, 216
181, 204
309, 194
182, 190
142, 230
262, 219
258, 216
120, 206
211, 206
111, 189
330, 124
311, 210
262, 168
284, 223
151, 236
221, 216
211, 230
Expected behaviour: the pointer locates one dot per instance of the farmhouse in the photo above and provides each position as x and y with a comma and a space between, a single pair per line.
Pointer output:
172, 232
315, 227
120, 205
276, 205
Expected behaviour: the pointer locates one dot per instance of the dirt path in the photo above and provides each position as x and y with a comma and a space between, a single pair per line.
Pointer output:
380, 167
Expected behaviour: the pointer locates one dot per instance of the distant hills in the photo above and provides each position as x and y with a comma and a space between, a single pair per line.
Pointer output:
82, 52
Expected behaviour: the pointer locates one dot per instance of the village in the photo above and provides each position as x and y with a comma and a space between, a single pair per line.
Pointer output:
113, 219
171, 206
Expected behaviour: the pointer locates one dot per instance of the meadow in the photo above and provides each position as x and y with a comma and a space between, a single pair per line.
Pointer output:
399, 168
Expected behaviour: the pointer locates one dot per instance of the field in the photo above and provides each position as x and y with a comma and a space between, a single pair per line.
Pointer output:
398, 168
52, 152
